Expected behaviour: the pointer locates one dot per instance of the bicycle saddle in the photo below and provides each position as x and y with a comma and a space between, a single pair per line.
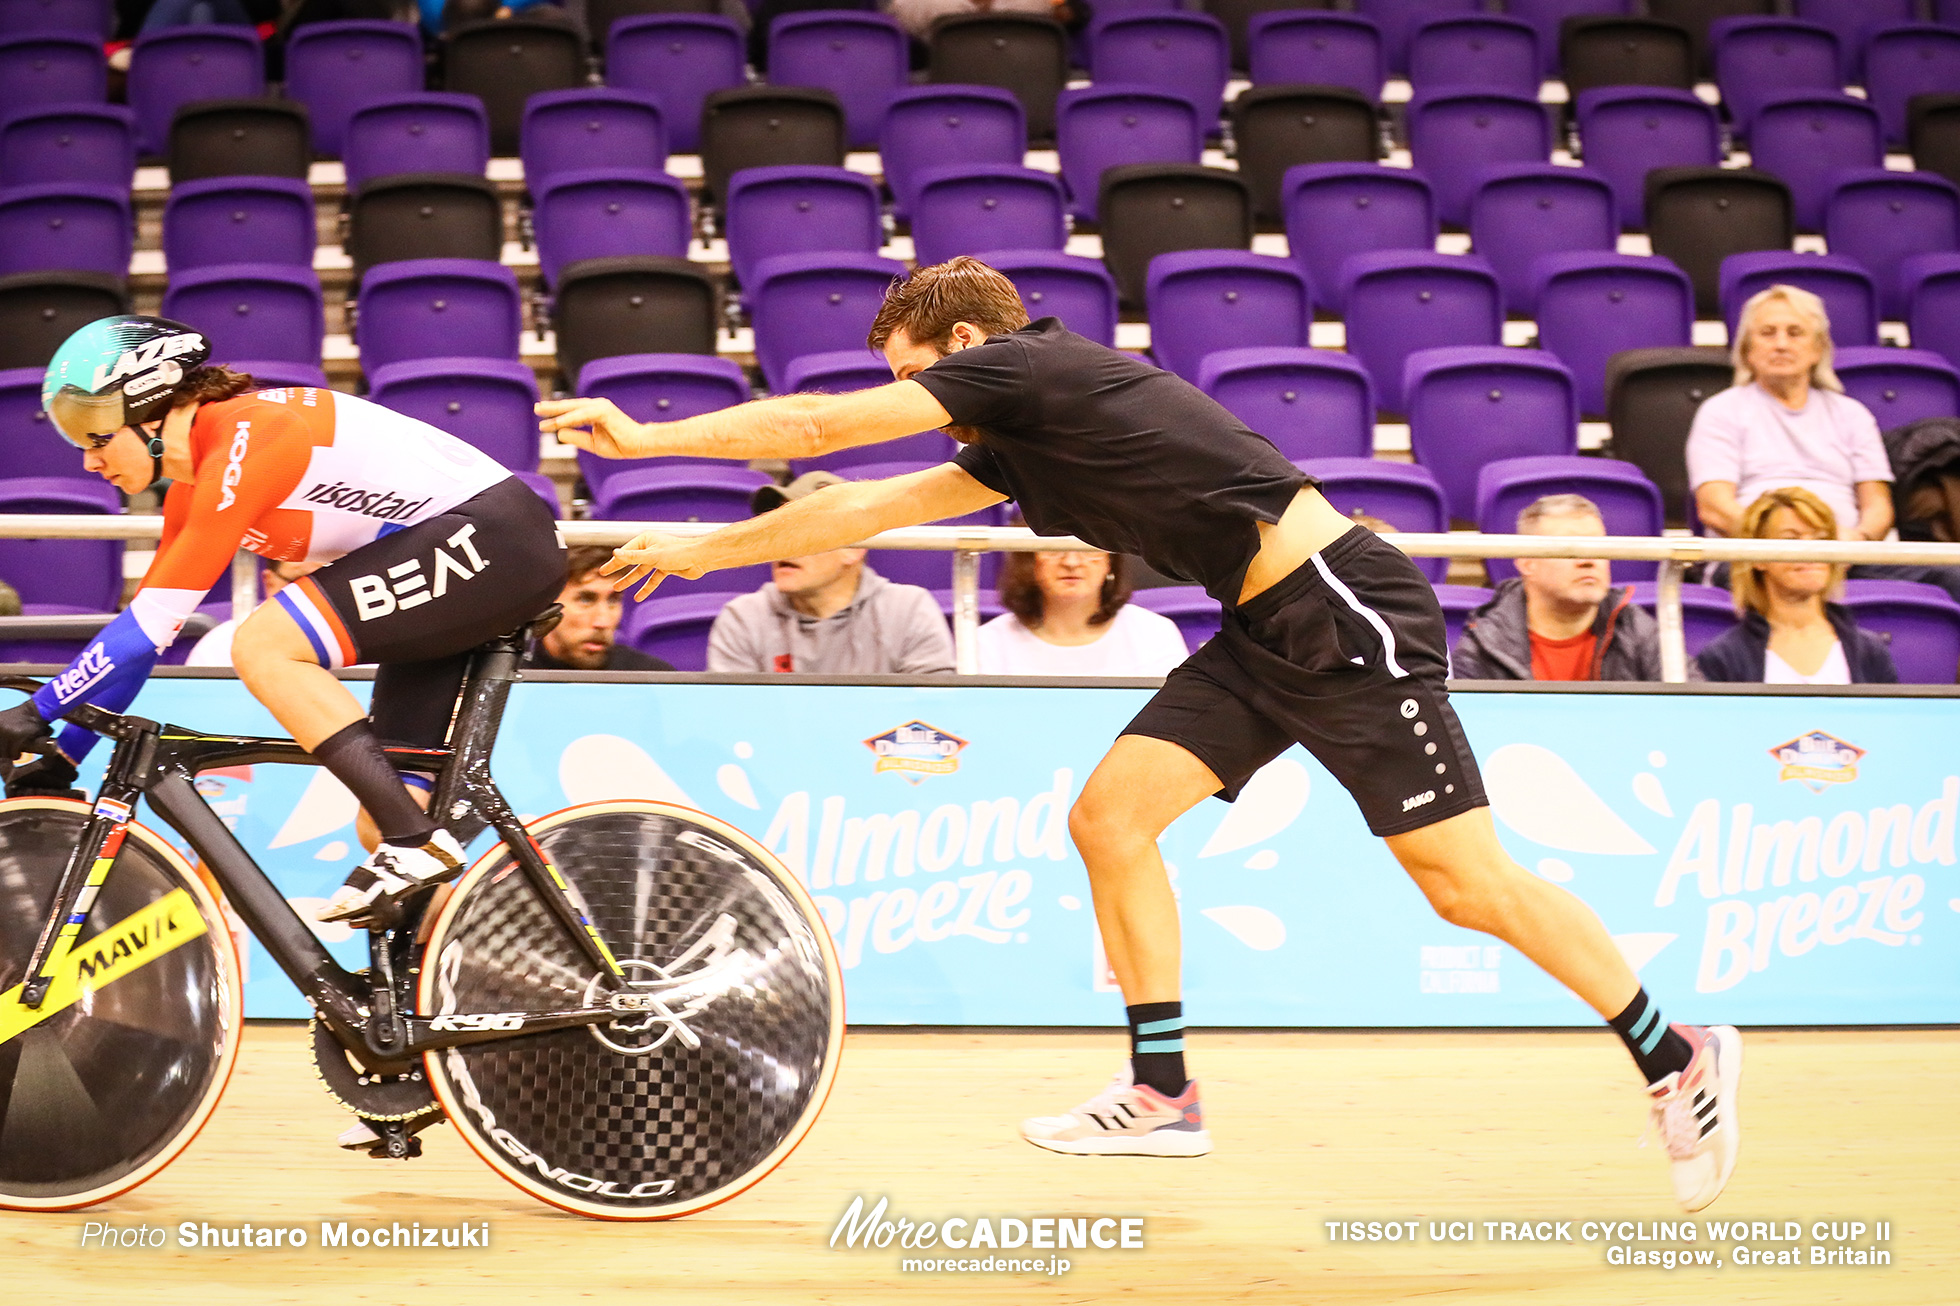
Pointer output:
545, 622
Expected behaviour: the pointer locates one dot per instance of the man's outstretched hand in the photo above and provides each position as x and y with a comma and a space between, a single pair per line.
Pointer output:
652, 557
593, 424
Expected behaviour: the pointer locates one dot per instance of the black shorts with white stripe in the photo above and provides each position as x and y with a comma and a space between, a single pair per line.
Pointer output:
1347, 655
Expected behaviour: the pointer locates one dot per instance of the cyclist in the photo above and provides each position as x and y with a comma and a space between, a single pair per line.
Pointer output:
432, 548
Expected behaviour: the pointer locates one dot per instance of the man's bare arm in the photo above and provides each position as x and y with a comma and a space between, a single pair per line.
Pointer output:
831, 518
786, 426
1716, 505
1874, 511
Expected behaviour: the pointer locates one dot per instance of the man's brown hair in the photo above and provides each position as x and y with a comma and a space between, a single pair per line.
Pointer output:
927, 304
1021, 594
581, 560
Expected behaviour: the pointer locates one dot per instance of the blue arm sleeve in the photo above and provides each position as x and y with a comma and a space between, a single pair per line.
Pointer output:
107, 673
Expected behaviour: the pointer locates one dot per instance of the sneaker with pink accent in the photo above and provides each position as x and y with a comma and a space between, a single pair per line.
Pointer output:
1126, 1119
1695, 1113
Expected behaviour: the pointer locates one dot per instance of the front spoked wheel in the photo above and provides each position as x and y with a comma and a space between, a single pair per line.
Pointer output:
110, 1078
702, 1089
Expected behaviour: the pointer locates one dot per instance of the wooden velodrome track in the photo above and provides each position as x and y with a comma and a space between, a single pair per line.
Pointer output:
1310, 1128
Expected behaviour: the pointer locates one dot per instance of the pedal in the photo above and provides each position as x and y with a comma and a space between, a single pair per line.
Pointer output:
393, 1140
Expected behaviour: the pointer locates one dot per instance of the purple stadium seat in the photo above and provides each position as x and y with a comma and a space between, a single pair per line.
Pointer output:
239, 220
658, 388
485, 402
968, 207
335, 67
1524, 211
1849, 294
1707, 612
39, 69
1457, 603
1335, 210
274, 372
422, 131
90, 143
1852, 21
674, 623
813, 304
687, 493
94, 19
1470, 407
1206, 299
1302, 47
1184, 53
1899, 385
938, 126
1758, 57
1808, 140
1399, 19
87, 573
29, 444
1406, 496
841, 372
1488, 51
1593, 305
1109, 125
609, 212
1628, 501
1546, 16
861, 58
1077, 290
799, 210
680, 58
437, 308
1454, 135
1920, 622
1401, 301
591, 127
172, 67
1932, 289
1908, 59
1628, 131
1881, 218
1198, 615
545, 488
70, 226
1311, 403
252, 310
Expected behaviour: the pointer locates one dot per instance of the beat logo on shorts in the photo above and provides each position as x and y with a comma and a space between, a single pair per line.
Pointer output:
405, 586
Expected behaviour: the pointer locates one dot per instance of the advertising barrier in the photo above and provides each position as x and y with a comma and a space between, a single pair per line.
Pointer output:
1760, 859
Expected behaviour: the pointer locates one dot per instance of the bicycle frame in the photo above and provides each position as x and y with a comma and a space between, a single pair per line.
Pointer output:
160, 762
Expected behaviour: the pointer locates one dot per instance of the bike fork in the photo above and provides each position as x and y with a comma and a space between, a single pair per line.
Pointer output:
81, 880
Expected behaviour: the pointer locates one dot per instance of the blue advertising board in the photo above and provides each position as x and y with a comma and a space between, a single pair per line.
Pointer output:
1759, 859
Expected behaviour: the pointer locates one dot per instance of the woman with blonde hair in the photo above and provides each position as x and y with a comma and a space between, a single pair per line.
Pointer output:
1791, 634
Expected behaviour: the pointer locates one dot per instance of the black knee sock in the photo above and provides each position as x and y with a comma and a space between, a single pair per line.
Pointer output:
1157, 1046
354, 756
1656, 1048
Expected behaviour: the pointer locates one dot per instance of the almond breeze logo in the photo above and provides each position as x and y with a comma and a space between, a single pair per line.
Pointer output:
917, 749
1818, 760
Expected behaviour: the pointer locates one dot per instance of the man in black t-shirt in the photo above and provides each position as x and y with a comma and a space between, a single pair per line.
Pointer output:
1331, 638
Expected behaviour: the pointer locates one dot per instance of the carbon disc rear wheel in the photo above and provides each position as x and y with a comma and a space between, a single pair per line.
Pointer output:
679, 1104
112, 1076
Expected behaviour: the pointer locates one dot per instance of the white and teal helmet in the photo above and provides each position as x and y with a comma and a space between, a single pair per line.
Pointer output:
119, 371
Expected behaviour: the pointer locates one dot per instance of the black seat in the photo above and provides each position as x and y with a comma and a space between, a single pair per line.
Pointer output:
1149, 209
1023, 53
1610, 50
39, 310
632, 305
1696, 15
1700, 216
505, 61
424, 215
600, 15
1237, 16
1278, 127
1651, 398
238, 138
1933, 133
766, 127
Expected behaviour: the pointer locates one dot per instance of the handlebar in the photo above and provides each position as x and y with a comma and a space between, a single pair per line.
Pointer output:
86, 715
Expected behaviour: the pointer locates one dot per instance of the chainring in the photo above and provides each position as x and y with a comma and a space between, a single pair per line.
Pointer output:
403, 1096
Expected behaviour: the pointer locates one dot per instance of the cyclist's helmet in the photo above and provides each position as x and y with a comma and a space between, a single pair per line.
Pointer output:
119, 371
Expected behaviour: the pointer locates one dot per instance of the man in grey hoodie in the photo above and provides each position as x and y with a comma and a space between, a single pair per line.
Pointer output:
1559, 618
829, 614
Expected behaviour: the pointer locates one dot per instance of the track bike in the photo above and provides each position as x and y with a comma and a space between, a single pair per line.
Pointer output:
629, 1009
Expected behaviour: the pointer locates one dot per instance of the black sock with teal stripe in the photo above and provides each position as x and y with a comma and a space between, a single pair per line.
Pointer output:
1157, 1045
1656, 1048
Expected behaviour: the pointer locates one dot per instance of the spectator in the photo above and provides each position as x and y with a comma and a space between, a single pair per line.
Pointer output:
918, 16
829, 614
1787, 421
583, 638
1069, 614
1789, 634
1559, 618
213, 649
9, 600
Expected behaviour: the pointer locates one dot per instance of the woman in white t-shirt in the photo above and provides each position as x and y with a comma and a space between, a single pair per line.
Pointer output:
1069, 614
